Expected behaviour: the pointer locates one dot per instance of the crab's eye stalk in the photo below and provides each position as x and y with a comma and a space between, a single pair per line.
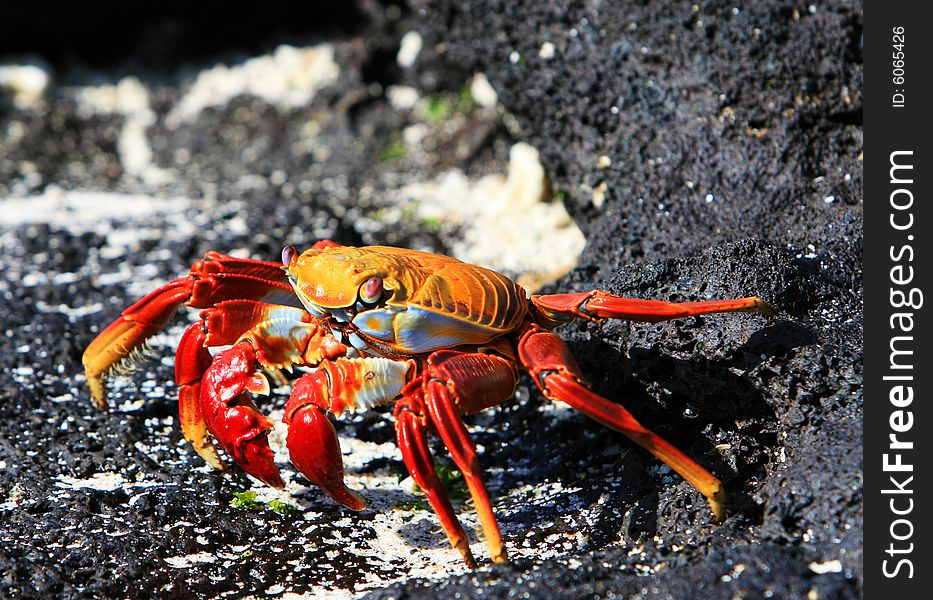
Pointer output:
371, 290
288, 253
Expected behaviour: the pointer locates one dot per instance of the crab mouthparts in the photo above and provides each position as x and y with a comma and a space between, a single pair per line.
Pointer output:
341, 327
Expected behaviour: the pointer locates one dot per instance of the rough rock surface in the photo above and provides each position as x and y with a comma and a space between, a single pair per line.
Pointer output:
706, 150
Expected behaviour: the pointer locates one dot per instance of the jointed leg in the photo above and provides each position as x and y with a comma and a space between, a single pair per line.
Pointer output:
454, 383
192, 359
555, 372
595, 305
462, 449
213, 279
410, 428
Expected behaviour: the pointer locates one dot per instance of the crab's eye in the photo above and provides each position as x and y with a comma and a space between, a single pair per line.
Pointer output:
288, 253
371, 290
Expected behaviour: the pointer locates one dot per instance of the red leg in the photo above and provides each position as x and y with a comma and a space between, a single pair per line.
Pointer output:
191, 361
336, 386
410, 427
211, 280
595, 305
555, 372
456, 383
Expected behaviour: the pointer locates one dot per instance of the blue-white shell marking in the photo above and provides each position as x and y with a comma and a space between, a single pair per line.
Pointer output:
414, 330
383, 383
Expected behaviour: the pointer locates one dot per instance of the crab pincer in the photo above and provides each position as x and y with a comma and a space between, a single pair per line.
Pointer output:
231, 416
312, 442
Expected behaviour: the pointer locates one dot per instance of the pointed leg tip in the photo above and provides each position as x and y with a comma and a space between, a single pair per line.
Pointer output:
98, 387
765, 308
210, 455
461, 545
718, 503
347, 497
359, 502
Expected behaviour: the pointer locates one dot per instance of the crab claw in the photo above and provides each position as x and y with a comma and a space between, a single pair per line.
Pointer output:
314, 450
232, 418
137, 323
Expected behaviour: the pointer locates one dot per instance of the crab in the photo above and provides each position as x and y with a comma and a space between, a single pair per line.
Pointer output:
369, 326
